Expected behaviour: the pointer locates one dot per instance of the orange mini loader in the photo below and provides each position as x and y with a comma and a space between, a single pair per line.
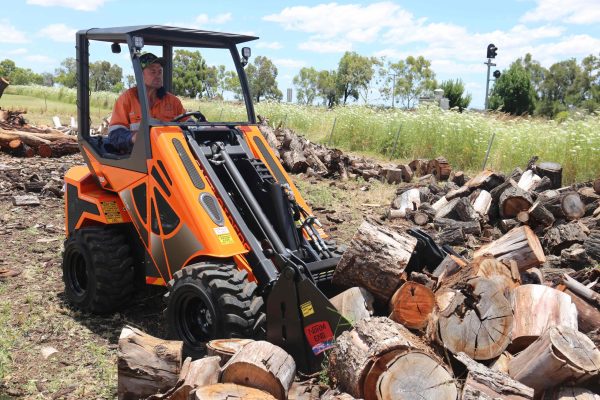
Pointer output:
203, 208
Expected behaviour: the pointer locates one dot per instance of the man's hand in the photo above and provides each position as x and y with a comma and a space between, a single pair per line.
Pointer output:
133, 136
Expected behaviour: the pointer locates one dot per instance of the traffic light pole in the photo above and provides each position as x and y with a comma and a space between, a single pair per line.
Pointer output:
489, 64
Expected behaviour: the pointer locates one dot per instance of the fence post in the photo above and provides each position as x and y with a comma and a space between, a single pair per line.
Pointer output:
331, 134
396, 141
487, 153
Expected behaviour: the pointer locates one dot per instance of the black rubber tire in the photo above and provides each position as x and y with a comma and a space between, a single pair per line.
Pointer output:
98, 269
213, 301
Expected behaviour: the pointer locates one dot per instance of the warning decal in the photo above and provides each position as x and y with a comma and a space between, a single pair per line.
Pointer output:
223, 235
319, 336
111, 212
307, 309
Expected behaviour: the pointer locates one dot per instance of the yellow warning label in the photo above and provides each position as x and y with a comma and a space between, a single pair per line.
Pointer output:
307, 309
111, 211
225, 238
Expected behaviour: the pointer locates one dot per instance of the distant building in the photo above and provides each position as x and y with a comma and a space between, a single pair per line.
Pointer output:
438, 99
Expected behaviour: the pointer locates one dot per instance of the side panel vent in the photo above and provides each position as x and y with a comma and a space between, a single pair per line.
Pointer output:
211, 206
188, 164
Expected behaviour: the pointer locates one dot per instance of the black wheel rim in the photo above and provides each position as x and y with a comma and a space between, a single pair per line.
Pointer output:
196, 322
78, 276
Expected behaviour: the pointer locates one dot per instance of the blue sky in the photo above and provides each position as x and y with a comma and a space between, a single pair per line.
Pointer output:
39, 34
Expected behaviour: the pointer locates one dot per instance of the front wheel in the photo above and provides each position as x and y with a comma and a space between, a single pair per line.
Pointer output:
213, 301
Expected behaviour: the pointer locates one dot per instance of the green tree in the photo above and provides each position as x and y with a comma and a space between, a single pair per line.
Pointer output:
306, 83
47, 79
262, 79
66, 75
513, 92
563, 87
591, 76
455, 92
189, 74
105, 76
537, 73
353, 75
326, 88
130, 79
413, 79
232, 84
22, 76
7, 67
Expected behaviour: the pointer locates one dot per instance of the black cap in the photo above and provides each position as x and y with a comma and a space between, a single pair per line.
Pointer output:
147, 59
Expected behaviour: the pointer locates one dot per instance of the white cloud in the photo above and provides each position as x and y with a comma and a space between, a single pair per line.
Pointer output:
80, 5
269, 45
334, 46
572, 11
10, 34
204, 19
59, 33
18, 51
40, 59
289, 63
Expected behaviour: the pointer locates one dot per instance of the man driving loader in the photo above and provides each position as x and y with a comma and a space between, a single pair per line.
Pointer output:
127, 114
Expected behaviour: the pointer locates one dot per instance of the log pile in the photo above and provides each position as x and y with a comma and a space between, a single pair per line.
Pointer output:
20, 139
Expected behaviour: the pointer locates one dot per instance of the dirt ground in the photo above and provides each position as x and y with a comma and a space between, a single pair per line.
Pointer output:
35, 318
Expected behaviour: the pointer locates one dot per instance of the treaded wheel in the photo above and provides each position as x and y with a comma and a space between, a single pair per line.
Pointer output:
213, 301
98, 269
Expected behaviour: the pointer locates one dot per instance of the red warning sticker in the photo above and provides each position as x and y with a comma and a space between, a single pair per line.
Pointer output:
319, 336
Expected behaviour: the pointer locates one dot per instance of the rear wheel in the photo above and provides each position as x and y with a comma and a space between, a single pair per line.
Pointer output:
98, 269
213, 301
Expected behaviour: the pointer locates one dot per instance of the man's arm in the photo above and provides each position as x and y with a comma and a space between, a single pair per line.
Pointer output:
119, 134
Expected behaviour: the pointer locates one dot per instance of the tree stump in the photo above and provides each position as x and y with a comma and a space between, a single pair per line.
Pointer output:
486, 383
146, 365
375, 259
561, 355
477, 319
553, 171
229, 391
537, 308
354, 304
513, 200
412, 305
263, 366
520, 244
225, 348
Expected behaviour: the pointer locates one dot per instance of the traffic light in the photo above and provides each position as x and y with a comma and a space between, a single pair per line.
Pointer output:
491, 51
497, 74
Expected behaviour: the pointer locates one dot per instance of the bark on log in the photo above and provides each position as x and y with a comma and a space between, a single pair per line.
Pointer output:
263, 366
332, 394
567, 205
475, 317
229, 391
560, 355
485, 383
449, 265
464, 210
544, 184
392, 175
419, 166
577, 287
551, 170
467, 227
540, 216
441, 202
440, 168
375, 259
446, 210
418, 217
412, 305
486, 180
458, 177
225, 348
520, 245
452, 237
537, 308
564, 236
513, 200
459, 192
592, 245
507, 225
146, 365
194, 374
58, 149
354, 304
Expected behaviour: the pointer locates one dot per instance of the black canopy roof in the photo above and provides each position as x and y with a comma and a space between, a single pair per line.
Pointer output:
167, 35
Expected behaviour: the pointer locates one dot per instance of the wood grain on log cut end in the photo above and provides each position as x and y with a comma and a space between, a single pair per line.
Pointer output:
263, 366
520, 244
225, 348
230, 391
412, 305
354, 304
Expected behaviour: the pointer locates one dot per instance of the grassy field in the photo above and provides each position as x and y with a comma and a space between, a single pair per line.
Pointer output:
392, 134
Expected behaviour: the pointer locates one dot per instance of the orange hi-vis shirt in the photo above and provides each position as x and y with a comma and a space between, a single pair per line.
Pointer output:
127, 112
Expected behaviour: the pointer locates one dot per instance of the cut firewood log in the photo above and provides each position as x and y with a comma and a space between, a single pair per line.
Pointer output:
467, 227
520, 245
26, 200
18, 148
375, 259
574, 257
475, 317
539, 215
509, 224
446, 210
451, 236
35, 186
408, 200
544, 184
305, 390
407, 173
523, 217
553, 171
561, 355
194, 374
529, 181
229, 391
482, 203
441, 202
440, 168
501, 363
412, 305
564, 236
458, 178
537, 308
580, 289
58, 148
146, 365
486, 180
588, 195
464, 210
354, 304
596, 186
513, 200
485, 383
379, 358
569, 393
592, 245
449, 265
496, 192
566, 205
588, 316
263, 366
418, 217
459, 192
225, 348
419, 166
392, 175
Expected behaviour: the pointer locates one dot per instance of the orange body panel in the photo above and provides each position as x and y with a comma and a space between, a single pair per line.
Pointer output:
113, 178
